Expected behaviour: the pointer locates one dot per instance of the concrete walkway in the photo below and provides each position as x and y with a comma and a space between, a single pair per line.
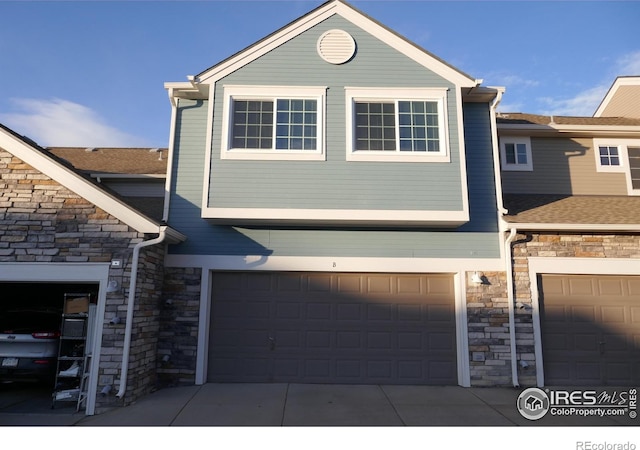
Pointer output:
314, 405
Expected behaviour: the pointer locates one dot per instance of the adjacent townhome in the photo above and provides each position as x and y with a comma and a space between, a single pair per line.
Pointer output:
337, 187
71, 245
572, 190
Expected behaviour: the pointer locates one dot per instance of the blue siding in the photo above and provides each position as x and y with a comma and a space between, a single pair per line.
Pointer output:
335, 183
367, 184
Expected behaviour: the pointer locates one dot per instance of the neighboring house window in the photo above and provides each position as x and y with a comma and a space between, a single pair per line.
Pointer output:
609, 155
271, 122
515, 153
396, 124
621, 156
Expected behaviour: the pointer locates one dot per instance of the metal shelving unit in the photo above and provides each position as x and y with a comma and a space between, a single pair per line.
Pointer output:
74, 354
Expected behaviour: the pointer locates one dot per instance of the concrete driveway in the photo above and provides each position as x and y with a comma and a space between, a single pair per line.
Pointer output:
313, 405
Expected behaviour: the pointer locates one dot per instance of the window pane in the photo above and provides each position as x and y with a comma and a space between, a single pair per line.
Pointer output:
375, 126
296, 120
422, 120
510, 153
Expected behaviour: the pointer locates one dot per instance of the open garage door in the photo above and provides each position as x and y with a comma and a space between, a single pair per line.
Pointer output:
591, 330
332, 328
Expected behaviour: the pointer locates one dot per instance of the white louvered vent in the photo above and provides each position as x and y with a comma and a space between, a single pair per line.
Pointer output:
336, 46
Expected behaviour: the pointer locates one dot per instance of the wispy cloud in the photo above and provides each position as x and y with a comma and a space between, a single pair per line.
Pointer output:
584, 103
58, 122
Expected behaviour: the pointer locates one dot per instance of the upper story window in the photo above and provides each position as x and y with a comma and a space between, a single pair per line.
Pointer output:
271, 122
515, 153
609, 155
396, 124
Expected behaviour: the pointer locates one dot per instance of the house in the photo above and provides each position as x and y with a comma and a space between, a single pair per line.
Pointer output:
63, 232
572, 190
337, 187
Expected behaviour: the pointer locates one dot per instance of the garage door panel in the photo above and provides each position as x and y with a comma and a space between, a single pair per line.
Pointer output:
589, 330
347, 328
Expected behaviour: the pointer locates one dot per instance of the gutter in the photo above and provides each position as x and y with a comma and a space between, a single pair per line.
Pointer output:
130, 303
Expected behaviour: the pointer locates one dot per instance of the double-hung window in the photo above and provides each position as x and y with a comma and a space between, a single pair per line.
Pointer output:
515, 153
396, 124
271, 122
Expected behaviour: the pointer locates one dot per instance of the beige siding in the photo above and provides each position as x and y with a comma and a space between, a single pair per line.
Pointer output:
624, 103
564, 166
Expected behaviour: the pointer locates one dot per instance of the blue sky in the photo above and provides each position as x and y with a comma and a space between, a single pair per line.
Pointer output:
91, 73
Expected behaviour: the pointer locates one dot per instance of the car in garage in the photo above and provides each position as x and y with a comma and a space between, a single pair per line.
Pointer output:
29, 344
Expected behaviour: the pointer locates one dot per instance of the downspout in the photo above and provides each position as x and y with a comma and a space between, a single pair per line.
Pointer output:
130, 303
511, 300
507, 244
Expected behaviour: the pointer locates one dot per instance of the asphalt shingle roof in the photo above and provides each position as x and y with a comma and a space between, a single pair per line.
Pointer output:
535, 119
131, 161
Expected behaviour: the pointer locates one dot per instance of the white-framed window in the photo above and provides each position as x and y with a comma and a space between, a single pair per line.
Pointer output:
405, 124
610, 155
515, 153
273, 122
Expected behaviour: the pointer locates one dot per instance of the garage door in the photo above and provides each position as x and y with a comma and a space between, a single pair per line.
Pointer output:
332, 328
591, 330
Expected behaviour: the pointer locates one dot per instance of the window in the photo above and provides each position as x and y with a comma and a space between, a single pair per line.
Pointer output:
515, 153
270, 122
609, 155
396, 124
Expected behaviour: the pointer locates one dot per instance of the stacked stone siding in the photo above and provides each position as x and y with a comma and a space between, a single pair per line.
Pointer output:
42, 221
179, 320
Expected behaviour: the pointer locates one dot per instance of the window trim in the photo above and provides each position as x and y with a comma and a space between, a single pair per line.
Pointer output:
622, 154
528, 167
373, 94
234, 92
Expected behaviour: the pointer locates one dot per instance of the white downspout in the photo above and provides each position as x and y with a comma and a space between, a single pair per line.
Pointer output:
507, 243
130, 304
511, 300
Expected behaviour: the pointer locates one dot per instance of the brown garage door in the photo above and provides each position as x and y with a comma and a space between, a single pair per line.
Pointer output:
332, 328
591, 330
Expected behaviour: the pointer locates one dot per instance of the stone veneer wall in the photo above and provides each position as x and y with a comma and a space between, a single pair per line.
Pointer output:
179, 320
488, 332
42, 221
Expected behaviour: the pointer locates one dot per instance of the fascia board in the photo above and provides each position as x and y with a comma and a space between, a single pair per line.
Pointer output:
76, 183
533, 129
368, 24
583, 227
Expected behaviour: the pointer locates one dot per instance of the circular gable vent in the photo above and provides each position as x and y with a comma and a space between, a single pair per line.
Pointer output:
336, 46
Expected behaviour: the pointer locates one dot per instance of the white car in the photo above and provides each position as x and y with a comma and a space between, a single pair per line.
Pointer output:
29, 344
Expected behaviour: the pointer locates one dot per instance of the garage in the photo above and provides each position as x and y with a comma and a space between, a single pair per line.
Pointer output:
332, 328
590, 330
30, 324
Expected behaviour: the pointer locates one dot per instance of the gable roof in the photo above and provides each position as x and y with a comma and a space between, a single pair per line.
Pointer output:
195, 88
48, 164
622, 99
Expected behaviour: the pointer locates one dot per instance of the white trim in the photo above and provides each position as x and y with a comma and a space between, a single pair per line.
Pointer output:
568, 266
334, 264
586, 227
70, 273
462, 329
515, 140
74, 182
231, 92
438, 95
204, 327
337, 216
